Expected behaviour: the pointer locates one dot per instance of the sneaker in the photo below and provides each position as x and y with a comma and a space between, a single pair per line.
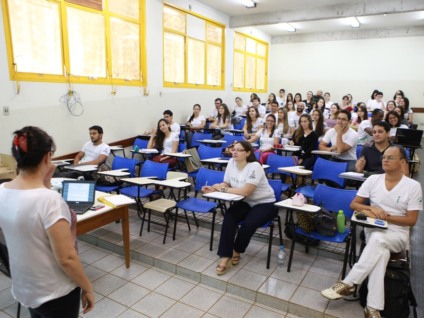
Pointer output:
371, 313
338, 290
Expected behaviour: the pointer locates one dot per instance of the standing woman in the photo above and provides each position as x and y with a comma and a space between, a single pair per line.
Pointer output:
40, 231
195, 122
305, 137
253, 123
165, 141
318, 124
269, 136
244, 176
222, 121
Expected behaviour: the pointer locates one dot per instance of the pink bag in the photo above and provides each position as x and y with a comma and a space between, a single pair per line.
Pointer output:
298, 199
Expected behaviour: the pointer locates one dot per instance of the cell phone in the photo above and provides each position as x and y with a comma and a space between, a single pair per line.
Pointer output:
96, 207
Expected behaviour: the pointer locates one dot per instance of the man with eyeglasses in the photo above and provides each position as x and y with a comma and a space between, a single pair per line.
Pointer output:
343, 140
214, 114
396, 199
370, 158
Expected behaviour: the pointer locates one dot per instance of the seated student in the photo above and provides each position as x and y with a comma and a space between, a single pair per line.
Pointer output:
343, 140
165, 141
93, 152
365, 127
169, 117
253, 122
222, 122
283, 125
331, 121
244, 176
274, 109
305, 137
370, 157
318, 124
195, 122
268, 137
239, 111
401, 112
295, 116
257, 104
396, 199
212, 116
395, 122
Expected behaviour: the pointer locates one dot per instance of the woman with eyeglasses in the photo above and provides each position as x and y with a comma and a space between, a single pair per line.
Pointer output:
305, 137
40, 232
253, 123
246, 177
268, 137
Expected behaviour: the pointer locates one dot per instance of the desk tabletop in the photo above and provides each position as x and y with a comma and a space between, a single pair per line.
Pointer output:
177, 154
115, 173
61, 163
145, 150
288, 148
82, 168
116, 147
140, 180
215, 160
357, 176
237, 131
212, 141
89, 214
324, 153
223, 196
305, 208
298, 170
370, 222
172, 183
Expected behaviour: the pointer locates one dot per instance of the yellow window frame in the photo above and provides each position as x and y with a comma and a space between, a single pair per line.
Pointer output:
66, 77
256, 56
207, 21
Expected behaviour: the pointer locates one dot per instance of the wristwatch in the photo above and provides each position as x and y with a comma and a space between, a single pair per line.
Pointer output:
224, 189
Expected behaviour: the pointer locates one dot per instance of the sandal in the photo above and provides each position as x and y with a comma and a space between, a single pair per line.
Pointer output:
235, 260
222, 269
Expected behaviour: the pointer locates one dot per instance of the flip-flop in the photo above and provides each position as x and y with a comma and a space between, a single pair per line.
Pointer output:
222, 269
235, 260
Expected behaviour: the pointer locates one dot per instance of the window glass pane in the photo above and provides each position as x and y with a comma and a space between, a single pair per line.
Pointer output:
250, 72
173, 59
128, 8
261, 49
238, 70
196, 28
239, 42
195, 62
260, 73
86, 43
250, 46
173, 19
125, 49
214, 65
213, 33
35, 26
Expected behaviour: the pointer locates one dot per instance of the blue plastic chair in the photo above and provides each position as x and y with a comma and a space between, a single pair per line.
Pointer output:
240, 125
195, 205
333, 200
276, 161
140, 144
358, 150
119, 163
231, 138
199, 136
149, 169
325, 170
206, 152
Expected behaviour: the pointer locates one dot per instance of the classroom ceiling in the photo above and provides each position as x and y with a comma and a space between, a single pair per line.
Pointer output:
316, 16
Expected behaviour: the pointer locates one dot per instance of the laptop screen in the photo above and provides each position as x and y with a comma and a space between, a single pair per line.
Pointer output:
410, 137
78, 191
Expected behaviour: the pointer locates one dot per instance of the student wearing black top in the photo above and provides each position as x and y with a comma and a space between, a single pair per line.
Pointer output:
305, 137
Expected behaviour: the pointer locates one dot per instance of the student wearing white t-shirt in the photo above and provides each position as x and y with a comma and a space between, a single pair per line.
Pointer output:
165, 141
396, 199
169, 117
256, 102
253, 122
195, 122
40, 232
343, 140
365, 127
268, 137
243, 176
95, 151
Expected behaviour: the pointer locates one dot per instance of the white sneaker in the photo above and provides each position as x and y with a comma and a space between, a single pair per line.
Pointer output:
338, 290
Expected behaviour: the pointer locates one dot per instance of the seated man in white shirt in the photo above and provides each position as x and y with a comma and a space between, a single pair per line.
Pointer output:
396, 199
214, 114
343, 140
94, 152
256, 102
365, 128
168, 116
281, 98
293, 117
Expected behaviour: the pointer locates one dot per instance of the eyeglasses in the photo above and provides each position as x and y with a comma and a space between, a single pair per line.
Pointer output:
390, 158
237, 150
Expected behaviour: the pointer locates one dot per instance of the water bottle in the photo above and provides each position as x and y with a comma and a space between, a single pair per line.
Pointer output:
136, 148
341, 221
280, 257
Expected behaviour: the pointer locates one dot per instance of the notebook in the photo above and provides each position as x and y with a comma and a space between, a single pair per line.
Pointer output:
80, 195
409, 138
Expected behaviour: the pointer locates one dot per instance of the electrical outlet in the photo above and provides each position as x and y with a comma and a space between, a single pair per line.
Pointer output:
5, 110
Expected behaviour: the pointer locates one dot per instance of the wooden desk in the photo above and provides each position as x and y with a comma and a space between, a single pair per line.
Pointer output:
92, 220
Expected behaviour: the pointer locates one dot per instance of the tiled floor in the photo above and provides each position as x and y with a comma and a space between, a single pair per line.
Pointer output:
178, 279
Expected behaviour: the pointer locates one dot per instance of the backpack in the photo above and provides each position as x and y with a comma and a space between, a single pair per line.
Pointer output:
105, 180
398, 295
192, 163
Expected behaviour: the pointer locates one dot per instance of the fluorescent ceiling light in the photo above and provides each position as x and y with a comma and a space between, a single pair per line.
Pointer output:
249, 4
287, 26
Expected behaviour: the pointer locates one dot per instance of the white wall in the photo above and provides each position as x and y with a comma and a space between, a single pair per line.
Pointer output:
355, 66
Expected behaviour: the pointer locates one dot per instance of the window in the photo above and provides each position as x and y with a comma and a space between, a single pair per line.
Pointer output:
250, 64
193, 50
80, 41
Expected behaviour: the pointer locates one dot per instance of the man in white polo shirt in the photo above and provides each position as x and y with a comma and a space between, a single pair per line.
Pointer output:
343, 140
94, 152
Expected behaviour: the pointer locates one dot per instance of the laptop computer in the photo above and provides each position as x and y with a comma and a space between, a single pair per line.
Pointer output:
409, 138
80, 195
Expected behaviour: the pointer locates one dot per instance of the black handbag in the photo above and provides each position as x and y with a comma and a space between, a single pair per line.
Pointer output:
325, 223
